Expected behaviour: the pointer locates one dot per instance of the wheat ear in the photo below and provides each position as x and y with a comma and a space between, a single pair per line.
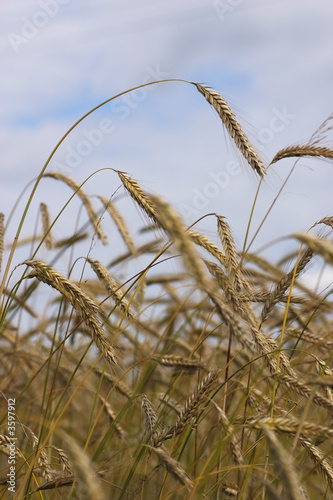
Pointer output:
235, 448
46, 226
233, 127
190, 409
86, 308
85, 200
319, 459
120, 223
64, 461
202, 241
112, 417
42, 460
138, 194
186, 364
112, 286
305, 150
317, 244
150, 415
173, 467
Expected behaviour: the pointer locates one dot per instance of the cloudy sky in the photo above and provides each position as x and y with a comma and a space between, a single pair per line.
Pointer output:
272, 60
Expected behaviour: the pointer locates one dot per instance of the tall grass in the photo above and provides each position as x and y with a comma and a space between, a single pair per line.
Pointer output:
208, 379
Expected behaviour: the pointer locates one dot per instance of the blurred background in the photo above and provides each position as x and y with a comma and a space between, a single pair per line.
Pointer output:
272, 62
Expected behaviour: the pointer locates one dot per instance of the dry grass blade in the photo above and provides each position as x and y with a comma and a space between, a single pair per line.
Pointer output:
173, 467
46, 226
86, 308
285, 463
120, 223
305, 150
138, 194
233, 127
85, 200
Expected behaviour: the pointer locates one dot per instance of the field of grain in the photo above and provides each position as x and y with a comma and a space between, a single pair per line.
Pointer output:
129, 378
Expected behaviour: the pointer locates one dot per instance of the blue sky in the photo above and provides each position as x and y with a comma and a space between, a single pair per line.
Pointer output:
272, 60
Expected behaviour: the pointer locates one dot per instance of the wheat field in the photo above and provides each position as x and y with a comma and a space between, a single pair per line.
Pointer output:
134, 379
